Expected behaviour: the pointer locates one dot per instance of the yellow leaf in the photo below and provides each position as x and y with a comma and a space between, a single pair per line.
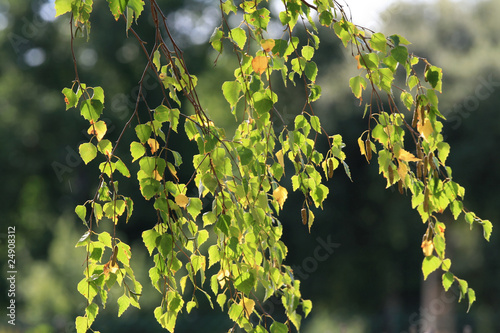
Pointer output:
153, 144
402, 171
279, 156
259, 64
182, 200
407, 156
248, 305
172, 170
357, 59
425, 129
98, 129
280, 194
222, 276
157, 175
361, 144
267, 44
427, 247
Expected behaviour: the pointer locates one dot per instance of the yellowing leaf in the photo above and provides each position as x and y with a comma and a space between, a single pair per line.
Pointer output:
361, 144
357, 59
181, 200
153, 144
427, 247
279, 156
407, 156
248, 305
157, 175
259, 64
280, 194
98, 129
267, 44
425, 129
402, 171
222, 276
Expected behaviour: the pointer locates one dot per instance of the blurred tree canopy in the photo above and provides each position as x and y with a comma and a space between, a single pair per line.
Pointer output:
372, 281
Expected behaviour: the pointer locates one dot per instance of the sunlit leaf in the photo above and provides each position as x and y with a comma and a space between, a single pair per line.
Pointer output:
239, 36
123, 304
425, 128
429, 265
407, 156
248, 305
87, 152
267, 44
280, 194
182, 200
357, 85
259, 64
231, 91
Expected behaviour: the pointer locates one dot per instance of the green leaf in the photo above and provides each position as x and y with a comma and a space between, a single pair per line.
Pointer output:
81, 211
123, 304
378, 42
487, 229
137, 7
143, 132
239, 36
81, 324
71, 99
245, 282
259, 18
215, 39
165, 246
400, 53
447, 280
472, 297
194, 207
228, 6
105, 238
311, 71
105, 147
91, 109
325, 18
84, 240
210, 182
314, 93
122, 168
357, 85
315, 123
87, 152
190, 305
277, 327
162, 114
307, 52
63, 6
456, 208
235, 311
245, 154
231, 91
429, 265
398, 39
262, 103
221, 300
434, 76
407, 99
151, 240
117, 7
306, 307
463, 287
137, 150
